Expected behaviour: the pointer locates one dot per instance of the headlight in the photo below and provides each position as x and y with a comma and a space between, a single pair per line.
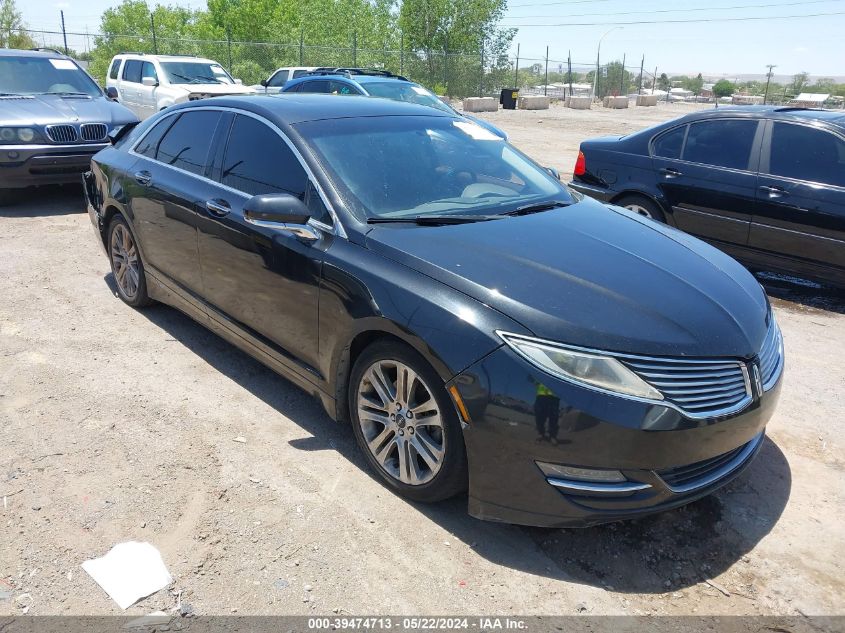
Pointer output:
17, 134
585, 368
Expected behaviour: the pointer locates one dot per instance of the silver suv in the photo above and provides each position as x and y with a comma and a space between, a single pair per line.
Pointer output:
147, 84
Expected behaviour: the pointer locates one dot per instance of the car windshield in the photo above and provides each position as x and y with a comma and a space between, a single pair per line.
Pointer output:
414, 166
192, 72
26, 75
401, 91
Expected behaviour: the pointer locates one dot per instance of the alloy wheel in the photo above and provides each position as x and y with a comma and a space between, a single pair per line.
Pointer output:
125, 263
639, 209
401, 422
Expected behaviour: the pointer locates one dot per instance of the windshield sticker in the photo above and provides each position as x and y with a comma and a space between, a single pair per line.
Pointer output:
63, 64
475, 131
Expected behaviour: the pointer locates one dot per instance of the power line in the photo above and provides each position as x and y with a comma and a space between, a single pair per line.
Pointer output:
655, 11
693, 21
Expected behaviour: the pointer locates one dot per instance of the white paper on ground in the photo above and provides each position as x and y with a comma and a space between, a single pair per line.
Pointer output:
129, 572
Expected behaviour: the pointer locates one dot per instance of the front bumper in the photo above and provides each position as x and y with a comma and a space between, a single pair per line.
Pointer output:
28, 165
685, 460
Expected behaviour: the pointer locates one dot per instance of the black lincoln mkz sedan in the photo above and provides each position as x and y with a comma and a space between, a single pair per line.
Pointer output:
481, 325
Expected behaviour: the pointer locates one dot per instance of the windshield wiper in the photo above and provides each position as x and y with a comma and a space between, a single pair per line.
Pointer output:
435, 220
185, 77
207, 78
538, 207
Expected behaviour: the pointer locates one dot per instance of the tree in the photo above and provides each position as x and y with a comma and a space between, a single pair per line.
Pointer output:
12, 27
663, 82
723, 88
799, 82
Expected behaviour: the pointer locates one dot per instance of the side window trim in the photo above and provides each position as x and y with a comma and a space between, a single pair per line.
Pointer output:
336, 226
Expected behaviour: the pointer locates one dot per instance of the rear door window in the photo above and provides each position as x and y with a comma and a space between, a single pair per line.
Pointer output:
669, 144
318, 85
805, 153
115, 66
132, 71
721, 143
186, 143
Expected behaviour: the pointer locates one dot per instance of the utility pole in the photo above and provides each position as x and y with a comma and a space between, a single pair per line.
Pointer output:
622, 76
546, 81
64, 33
302, 46
768, 81
516, 70
654, 80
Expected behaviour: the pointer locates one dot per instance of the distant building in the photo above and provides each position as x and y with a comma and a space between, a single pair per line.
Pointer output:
809, 100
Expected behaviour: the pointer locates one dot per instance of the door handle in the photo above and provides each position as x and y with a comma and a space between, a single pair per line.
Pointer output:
774, 192
217, 208
670, 172
143, 178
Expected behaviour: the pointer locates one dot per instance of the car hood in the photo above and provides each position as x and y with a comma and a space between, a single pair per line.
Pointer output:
216, 89
46, 109
596, 277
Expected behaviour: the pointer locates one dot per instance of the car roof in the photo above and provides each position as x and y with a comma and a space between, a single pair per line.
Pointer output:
770, 112
291, 108
19, 52
167, 58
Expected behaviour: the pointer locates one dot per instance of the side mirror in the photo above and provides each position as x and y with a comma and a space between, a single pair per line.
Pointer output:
554, 173
239, 81
280, 211
264, 82
149, 81
111, 93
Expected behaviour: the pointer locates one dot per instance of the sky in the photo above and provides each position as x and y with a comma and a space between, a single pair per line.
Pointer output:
798, 42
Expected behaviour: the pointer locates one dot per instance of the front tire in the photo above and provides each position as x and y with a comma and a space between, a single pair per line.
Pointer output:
406, 424
126, 264
642, 206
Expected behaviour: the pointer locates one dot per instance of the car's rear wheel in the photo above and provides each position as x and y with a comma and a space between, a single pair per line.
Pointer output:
126, 264
406, 424
642, 206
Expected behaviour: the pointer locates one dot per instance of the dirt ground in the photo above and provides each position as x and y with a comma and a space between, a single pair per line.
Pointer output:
118, 424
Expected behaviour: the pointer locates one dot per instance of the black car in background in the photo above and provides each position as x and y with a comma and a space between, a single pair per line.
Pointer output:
764, 184
478, 322
53, 119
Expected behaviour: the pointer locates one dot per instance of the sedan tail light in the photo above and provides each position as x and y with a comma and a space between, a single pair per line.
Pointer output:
580, 165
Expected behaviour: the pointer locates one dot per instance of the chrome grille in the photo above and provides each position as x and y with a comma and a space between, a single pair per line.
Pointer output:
700, 388
61, 133
94, 131
771, 357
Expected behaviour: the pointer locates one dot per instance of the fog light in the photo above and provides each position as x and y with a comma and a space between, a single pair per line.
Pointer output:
581, 474
13, 155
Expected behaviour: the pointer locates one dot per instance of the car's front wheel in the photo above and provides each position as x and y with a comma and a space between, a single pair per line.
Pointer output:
406, 424
126, 264
642, 206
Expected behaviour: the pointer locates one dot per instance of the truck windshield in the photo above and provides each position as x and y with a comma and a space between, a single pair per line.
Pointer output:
27, 75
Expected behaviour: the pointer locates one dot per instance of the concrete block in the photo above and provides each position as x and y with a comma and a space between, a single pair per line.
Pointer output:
579, 103
534, 102
480, 104
647, 100
616, 102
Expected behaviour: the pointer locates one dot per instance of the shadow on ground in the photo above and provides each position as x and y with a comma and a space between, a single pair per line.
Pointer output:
40, 202
656, 554
801, 295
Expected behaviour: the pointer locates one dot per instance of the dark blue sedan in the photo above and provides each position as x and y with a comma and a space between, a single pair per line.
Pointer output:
764, 184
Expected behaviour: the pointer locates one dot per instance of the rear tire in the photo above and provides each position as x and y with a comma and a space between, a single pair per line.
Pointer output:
405, 423
642, 206
126, 265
